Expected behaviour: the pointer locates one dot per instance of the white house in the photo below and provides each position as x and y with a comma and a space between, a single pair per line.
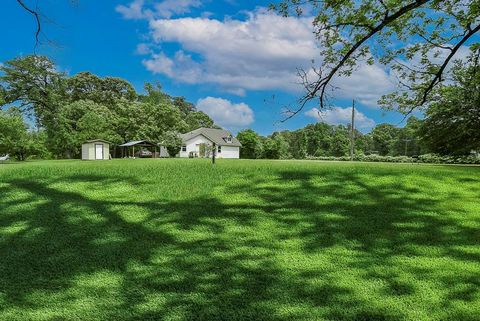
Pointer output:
199, 143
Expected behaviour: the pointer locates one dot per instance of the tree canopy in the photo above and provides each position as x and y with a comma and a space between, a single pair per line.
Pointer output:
172, 142
34, 84
452, 122
16, 139
417, 39
251, 144
72, 109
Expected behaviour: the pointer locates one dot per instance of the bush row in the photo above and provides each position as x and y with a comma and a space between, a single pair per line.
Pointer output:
427, 158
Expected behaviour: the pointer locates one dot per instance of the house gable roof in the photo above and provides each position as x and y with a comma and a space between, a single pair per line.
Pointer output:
217, 136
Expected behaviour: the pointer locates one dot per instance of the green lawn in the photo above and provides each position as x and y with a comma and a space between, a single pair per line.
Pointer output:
244, 240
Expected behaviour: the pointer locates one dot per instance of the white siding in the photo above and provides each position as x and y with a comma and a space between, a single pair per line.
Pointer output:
164, 152
88, 151
193, 145
229, 152
106, 151
85, 151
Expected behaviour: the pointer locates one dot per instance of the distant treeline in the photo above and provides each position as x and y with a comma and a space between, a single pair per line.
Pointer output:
64, 111
322, 141
450, 127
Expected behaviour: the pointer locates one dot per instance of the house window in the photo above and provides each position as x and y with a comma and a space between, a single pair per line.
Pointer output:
229, 139
219, 149
184, 148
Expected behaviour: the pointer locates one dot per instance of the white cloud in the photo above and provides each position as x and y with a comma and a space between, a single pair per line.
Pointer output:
159, 63
226, 113
133, 11
366, 84
168, 8
138, 9
262, 52
341, 116
143, 49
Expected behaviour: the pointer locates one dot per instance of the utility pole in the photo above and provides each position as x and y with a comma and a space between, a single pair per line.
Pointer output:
214, 152
352, 135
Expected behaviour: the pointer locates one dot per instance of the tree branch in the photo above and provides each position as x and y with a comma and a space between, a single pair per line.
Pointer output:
434, 43
439, 73
37, 19
313, 89
322, 84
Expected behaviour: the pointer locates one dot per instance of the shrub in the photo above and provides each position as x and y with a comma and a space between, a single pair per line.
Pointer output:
427, 158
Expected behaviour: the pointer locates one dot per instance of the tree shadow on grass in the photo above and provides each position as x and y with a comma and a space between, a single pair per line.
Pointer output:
213, 258
69, 236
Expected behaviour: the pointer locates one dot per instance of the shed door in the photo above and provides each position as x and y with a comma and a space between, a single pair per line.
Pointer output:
98, 151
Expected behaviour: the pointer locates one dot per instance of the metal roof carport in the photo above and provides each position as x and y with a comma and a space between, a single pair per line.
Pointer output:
139, 143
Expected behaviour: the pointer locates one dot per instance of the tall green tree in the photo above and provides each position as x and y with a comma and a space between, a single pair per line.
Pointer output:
383, 136
191, 118
172, 141
452, 123
363, 144
198, 119
154, 94
270, 149
340, 141
276, 147
318, 139
15, 138
127, 120
80, 121
251, 144
157, 119
298, 144
104, 91
407, 141
34, 84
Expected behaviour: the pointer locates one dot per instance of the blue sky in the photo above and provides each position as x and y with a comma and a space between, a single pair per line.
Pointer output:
232, 58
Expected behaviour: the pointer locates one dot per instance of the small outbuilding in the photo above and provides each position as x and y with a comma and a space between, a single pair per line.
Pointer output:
96, 149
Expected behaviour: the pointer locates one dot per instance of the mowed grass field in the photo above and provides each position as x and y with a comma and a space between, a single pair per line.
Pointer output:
242, 240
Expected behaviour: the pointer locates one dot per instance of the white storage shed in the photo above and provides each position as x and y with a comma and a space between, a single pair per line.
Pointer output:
96, 149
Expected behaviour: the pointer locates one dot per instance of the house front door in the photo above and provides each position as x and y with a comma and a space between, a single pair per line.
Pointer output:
98, 151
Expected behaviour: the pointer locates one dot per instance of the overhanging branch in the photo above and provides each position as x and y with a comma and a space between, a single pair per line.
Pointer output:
439, 73
323, 83
319, 87
36, 15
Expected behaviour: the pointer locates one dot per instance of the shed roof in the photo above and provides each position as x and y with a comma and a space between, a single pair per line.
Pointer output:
144, 143
217, 136
97, 141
